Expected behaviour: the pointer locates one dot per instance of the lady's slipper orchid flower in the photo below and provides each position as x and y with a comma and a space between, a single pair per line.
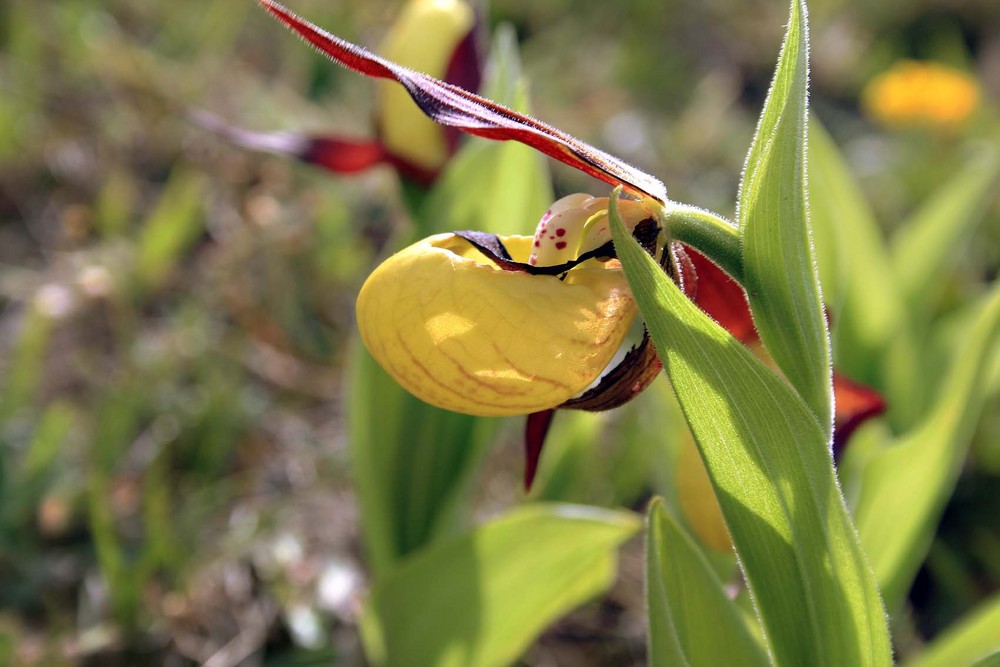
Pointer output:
503, 326
520, 325
436, 36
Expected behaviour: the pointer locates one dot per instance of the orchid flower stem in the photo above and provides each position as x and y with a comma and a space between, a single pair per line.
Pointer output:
707, 232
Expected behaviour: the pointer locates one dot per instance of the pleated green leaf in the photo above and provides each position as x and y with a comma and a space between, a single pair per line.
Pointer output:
773, 473
778, 267
831, 200
691, 619
906, 486
481, 599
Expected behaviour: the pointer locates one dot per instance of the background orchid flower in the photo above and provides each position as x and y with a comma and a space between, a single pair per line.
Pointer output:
436, 36
453, 106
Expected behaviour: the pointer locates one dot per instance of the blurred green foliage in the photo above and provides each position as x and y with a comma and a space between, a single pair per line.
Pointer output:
176, 480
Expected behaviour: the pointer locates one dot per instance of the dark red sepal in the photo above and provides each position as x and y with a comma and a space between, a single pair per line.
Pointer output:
722, 298
535, 430
854, 403
343, 156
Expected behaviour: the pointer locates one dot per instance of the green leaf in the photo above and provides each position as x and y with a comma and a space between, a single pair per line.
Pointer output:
866, 300
779, 272
481, 599
931, 239
773, 474
850, 250
414, 462
992, 660
906, 486
501, 187
872, 340
691, 619
972, 638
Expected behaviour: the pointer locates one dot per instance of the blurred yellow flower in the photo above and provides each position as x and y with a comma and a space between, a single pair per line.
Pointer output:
921, 93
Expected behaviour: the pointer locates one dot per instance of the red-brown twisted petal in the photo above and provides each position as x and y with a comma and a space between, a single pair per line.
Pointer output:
342, 156
722, 298
535, 430
453, 106
465, 70
854, 403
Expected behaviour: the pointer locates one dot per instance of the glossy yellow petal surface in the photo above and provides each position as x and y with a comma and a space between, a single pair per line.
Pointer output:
462, 334
423, 38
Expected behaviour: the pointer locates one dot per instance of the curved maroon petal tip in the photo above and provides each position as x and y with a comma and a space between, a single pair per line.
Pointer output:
453, 106
687, 276
341, 155
854, 403
535, 430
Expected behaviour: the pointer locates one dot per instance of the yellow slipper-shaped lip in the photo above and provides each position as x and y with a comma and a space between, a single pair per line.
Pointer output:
461, 333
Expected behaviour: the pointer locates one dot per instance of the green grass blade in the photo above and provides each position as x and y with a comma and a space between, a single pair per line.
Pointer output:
173, 226
931, 239
779, 271
773, 474
869, 307
25, 366
691, 619
971, 638
481, 599
906, 486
